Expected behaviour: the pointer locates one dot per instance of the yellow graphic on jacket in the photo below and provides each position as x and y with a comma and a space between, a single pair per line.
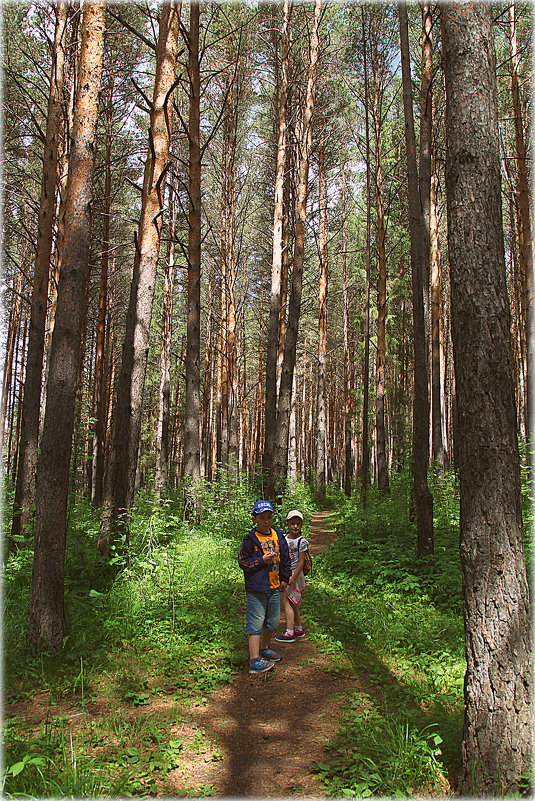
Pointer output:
270, 544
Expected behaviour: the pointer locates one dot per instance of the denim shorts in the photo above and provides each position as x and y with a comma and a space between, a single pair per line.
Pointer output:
263, 611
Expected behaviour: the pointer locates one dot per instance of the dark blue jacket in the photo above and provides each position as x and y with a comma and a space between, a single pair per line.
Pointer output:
256, 572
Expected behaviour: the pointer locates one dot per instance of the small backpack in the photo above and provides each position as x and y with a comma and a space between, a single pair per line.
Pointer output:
307, 567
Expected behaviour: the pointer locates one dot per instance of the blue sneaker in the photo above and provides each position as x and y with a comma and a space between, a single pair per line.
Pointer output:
271, 656
260, 666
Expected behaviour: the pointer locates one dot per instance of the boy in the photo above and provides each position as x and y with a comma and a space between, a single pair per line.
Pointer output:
265, 561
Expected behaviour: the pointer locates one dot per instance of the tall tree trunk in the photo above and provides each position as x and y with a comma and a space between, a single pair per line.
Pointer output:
525, 244
437, 332
228, 366
292, 437
321, 424
348, 399
426, 136
277, 260
207, 461
164, 395
365, 460
46, 607
28, 445
16, 407
496, 750
99, 431
192, 445
277, 474
10, 360
128, 410
422, 498
258, 408
285, 268
380, 431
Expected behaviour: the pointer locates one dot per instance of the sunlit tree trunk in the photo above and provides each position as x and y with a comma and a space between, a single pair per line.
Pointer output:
279, 464
227, 349
29, 433
497, 739
321, 419
424, 169
128, 410
292, 437
161, 479
277, 258
438, 444
46, 607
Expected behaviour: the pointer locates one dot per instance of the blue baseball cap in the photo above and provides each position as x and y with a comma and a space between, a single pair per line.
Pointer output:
262, 506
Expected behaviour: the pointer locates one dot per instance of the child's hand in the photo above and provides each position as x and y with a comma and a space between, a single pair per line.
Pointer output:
268, 558
283, 585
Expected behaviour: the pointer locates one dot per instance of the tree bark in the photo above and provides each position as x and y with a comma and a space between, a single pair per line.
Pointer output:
277, 260
192, 446
100, 395
278, 470
426, 137
348, 399
164, 396
438, 440
128, 410
525, 244
10, 360
321, 416
29, 434
380, 431
365, 460
46, 607
496, 749
423, 500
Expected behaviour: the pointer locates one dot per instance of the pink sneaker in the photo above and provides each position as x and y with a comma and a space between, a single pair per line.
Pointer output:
285, 636
299, 633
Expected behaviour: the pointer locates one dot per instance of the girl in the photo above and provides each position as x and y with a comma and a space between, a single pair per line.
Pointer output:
293, 593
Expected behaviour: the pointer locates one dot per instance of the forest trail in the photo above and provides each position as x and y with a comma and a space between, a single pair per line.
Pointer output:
269, 730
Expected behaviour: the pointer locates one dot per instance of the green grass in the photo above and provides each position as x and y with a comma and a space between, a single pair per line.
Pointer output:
162, 621
397, 623
159, 626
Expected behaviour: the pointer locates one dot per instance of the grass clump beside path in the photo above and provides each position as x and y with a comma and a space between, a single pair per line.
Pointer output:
396, 623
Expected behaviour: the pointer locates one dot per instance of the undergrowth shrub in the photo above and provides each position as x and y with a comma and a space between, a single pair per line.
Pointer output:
375, 754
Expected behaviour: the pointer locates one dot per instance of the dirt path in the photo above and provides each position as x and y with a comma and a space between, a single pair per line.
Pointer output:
268, 730
255, 738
